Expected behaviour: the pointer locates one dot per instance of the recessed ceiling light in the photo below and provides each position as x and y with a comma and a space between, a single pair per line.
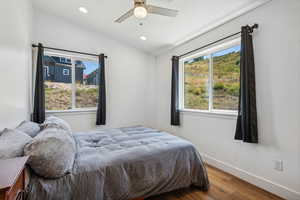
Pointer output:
143, 38
83, 10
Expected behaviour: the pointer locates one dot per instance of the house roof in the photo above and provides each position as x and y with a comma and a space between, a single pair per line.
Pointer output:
57, 61
79, 64
48, 60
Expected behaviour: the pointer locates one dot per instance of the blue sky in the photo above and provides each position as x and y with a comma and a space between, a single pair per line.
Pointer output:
226, 51
90, 66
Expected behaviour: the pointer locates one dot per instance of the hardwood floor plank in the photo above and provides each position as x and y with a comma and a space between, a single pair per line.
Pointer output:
224, 186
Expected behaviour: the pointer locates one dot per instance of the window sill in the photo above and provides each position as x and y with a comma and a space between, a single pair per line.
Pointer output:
215, 113
74, 111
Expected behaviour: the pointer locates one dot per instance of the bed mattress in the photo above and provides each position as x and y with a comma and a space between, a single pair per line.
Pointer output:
124, 163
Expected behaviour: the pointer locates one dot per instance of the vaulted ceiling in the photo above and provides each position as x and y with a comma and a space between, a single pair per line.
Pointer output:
161, 32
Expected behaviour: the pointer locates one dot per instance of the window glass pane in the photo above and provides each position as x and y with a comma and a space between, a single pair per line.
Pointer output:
58, 87
226, 78
86, 83
196, 76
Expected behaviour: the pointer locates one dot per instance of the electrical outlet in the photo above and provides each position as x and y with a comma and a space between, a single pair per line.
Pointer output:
278, 165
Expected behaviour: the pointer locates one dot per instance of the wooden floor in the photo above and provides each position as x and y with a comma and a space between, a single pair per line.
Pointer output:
223, 186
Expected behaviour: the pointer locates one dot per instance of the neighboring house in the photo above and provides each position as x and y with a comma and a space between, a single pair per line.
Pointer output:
58, 69
92, 78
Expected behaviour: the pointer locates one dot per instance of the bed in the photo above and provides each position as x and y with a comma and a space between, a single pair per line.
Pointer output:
122, 164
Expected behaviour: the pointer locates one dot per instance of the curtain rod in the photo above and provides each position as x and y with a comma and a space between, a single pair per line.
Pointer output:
255, 26
70, 51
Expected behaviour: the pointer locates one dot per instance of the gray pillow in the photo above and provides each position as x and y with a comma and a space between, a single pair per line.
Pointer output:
31, 128
12, 143
56, 122
52, 153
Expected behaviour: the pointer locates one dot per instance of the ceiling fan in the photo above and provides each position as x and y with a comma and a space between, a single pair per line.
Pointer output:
141, 9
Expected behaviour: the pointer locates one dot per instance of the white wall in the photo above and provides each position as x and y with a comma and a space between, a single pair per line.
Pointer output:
131, 76
15, 23
128, 72
277, 52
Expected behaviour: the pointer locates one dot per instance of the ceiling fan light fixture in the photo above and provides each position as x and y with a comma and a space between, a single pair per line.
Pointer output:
140, 12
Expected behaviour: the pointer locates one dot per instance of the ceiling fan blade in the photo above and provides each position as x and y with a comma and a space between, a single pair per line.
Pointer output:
125, 16
162, 11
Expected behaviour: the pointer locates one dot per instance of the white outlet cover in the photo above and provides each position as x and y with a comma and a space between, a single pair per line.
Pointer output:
278, 165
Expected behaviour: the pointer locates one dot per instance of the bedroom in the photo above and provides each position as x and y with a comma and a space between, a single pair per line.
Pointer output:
138, 81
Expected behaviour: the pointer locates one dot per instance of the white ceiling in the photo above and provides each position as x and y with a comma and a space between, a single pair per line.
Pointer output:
161, 32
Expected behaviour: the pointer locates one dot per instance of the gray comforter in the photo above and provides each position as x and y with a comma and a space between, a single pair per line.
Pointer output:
125, 163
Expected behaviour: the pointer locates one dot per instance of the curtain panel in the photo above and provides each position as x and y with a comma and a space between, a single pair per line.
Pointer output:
39, 92
175, 113
101, 109
246, 127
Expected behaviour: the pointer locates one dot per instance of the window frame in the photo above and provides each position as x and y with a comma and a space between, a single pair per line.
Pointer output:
73, 82
206, 52
47, 70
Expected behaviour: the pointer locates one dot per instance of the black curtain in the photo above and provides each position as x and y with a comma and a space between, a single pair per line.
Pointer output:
101, 110
246, 127
39, 94
175, 114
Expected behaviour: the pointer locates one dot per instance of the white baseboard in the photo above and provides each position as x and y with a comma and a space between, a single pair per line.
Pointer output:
260, 182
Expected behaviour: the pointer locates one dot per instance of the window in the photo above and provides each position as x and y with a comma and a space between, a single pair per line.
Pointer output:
66, 72
73, 85
211, 79
63, 60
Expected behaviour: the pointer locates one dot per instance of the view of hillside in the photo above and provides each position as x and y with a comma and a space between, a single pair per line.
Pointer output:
226, 72
58, 96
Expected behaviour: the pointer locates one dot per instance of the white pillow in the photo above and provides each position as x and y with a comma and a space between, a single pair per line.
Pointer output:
12, 143
52, 153
55, 122
30, 128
